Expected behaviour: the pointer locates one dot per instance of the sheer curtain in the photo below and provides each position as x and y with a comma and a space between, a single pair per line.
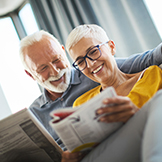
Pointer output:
127, 22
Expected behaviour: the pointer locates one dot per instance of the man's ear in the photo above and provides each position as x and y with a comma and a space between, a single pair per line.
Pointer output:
29, 74
112, 46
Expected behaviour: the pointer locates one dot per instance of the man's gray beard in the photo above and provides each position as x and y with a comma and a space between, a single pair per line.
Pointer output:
62, 86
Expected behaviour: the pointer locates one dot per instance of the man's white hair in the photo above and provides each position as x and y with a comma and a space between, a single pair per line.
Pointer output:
85, 31
30, 40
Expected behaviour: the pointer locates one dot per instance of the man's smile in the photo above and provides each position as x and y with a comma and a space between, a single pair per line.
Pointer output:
58, 80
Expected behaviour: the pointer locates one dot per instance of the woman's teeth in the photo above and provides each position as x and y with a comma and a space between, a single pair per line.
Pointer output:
98, 69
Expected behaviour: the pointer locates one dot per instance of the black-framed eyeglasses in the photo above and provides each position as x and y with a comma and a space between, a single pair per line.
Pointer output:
93, 54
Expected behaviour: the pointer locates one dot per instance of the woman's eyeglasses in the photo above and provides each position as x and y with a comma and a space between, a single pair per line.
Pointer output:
93, 54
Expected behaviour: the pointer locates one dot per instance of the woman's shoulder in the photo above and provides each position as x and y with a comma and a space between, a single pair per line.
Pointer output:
153, 69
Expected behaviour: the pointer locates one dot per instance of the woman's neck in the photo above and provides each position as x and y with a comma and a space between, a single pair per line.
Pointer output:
122, 82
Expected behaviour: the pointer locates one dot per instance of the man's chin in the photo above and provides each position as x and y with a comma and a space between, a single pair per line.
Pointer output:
60, 89
60, 85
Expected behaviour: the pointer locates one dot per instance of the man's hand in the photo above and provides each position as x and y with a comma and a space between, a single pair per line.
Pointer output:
71, 157
121, 109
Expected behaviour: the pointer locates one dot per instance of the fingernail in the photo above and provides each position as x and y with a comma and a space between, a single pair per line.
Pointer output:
99, 111
106, 100
101, 119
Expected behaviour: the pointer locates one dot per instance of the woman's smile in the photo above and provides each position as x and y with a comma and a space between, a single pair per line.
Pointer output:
98, 69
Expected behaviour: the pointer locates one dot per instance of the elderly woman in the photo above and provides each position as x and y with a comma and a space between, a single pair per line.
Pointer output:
93, 54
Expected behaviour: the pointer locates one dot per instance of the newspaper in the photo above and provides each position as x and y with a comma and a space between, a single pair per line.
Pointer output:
79, 128
24, 139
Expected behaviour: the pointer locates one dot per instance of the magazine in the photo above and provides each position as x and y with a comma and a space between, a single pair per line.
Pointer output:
24, 139
79, 128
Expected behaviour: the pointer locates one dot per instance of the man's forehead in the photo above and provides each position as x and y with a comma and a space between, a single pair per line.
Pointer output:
55, 44
44, 45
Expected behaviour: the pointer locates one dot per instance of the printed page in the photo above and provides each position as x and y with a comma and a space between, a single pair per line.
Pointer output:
21, 140
81, 130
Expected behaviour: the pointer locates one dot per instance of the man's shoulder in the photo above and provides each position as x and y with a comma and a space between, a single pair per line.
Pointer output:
82, 83
37, 102
78, 75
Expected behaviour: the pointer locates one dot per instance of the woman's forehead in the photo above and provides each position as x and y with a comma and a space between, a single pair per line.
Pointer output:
81, 47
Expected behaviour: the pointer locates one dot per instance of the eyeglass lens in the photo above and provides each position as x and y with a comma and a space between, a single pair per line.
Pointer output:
93, 54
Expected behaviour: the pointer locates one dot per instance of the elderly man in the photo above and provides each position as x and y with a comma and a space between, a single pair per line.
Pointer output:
45, 61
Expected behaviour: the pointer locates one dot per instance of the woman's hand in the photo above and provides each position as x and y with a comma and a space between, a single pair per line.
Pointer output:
71, 157
120, 109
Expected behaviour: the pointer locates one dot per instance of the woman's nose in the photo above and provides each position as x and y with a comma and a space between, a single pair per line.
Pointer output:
90, 63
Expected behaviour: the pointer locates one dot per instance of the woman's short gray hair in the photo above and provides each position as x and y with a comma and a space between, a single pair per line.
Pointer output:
86, 31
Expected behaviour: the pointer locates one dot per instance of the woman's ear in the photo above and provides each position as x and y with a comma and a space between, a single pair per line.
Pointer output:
112, 46
29, 74
63, 47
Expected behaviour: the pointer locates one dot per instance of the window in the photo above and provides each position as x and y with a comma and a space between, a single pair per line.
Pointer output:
18, 89
154, 9
28, 20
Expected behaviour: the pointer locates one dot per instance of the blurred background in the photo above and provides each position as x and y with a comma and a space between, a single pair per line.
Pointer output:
134, 25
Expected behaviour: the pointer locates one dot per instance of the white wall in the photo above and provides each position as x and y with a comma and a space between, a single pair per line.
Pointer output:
4, 107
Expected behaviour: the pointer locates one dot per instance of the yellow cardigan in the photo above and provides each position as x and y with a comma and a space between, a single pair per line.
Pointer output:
142, 91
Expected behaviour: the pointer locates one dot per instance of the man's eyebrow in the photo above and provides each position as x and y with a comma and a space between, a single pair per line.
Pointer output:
40, 67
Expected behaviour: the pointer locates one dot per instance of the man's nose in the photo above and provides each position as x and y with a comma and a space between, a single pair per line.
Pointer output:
54, 70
